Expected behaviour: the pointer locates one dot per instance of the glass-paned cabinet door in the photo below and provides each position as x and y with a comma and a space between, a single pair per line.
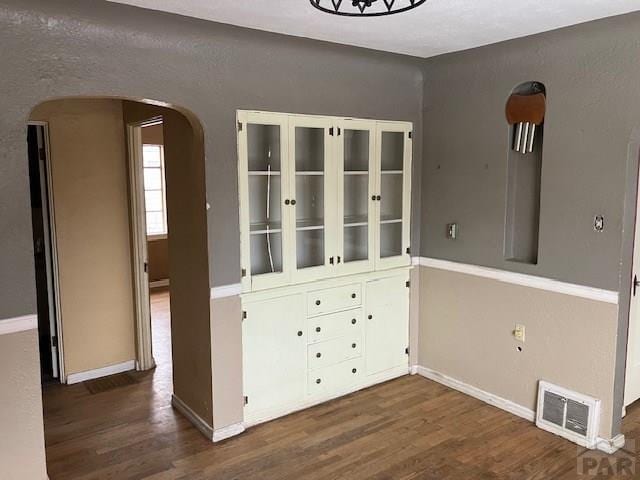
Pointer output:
312, 197
356, 185
393, 196
263, 183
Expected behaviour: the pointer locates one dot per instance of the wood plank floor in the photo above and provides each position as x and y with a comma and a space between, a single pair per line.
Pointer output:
409, 428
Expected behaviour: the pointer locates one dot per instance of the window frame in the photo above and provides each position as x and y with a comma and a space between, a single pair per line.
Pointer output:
163, 190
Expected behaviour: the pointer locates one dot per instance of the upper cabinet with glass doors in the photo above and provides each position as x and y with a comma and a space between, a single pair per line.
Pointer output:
321, 197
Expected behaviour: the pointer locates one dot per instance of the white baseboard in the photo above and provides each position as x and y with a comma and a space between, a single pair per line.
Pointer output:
475, 392
18, 324
101, 372
159, 283
193, 417
223, 433
610, 446
602, 444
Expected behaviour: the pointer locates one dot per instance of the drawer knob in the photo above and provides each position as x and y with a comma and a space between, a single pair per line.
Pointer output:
318, 355
318, 329
370, 317
318, 381
354, 370
299, 333
353, 345
353, 295
353, 321
317, 302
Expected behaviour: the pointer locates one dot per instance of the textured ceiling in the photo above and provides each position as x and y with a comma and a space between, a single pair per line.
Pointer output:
438, 26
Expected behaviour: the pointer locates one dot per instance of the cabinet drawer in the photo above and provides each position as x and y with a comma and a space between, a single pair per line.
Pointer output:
323, 354
329, 379
332, 299
333, 325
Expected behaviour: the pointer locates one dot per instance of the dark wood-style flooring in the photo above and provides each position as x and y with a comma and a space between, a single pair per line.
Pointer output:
409, 428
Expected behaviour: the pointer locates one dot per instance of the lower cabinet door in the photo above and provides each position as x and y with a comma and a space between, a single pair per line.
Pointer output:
274, 347
386, 324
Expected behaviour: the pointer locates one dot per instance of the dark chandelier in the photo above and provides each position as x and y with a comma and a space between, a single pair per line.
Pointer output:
365, 8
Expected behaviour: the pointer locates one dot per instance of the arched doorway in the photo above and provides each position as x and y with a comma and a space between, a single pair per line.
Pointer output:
98, 292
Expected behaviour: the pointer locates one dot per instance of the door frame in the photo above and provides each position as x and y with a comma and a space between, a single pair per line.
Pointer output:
53, 276
139, 257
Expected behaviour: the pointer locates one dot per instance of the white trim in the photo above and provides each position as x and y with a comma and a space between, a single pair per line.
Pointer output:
193, 417
226, 291
159, 283
101, 372
475, 392
610, 446
591, 293
602, 444
18, 324
223, 433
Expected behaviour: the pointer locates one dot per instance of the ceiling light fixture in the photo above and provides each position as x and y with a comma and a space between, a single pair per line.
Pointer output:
365, 8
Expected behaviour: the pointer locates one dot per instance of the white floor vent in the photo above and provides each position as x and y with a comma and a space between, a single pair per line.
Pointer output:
569, 414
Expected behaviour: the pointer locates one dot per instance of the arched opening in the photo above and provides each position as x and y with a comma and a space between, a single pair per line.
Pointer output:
117, 179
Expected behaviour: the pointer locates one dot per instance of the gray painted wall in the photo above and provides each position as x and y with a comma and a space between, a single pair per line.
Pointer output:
57, 48
592, 74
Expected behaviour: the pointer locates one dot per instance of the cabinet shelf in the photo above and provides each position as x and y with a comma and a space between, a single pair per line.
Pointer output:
356, 221
263, 173
309, 224
391, 172
356, 172
310, 173
262, 228
386, 220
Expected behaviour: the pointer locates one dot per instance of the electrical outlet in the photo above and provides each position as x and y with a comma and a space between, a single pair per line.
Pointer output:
519, 332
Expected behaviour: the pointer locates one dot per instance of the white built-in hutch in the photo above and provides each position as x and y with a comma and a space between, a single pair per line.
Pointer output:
324, 222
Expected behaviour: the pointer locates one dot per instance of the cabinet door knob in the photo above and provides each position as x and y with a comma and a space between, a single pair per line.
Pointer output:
370, 317
317, 302
353, 295
353, 345
287, 201
353, 321
293, 202
331, 260
354, 370
299, 333
318, 381
373, 197
318, 355
378, 197
318, 329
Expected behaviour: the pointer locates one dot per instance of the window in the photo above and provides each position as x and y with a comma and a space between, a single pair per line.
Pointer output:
154, 189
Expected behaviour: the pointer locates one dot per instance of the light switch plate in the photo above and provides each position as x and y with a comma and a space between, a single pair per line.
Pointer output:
519, 332
452, 231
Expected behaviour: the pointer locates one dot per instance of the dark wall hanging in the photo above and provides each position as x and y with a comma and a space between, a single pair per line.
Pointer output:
365, 8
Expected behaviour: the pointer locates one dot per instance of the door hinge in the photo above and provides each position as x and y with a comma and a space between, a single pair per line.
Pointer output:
146, 267
243, 272
408, 250
246, 400
410, 134
408, 284
406, 350
339, 131
54, 341
244, 314
239, 126
331, 131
